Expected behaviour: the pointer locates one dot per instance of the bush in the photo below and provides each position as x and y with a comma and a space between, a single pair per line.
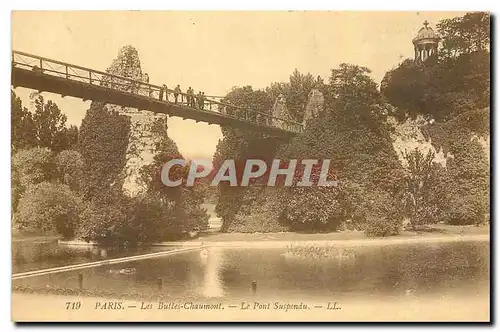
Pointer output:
377, 225
103, 224
261, 212
467, 210
114, 219
105, 219
49, 207
33, 166
382, 214
312, 208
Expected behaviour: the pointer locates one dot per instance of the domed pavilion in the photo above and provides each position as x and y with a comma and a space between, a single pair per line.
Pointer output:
425, 43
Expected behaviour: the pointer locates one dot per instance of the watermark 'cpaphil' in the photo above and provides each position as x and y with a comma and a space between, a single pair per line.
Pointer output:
293, 172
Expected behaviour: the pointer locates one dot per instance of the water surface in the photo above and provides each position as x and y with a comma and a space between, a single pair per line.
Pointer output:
446, 269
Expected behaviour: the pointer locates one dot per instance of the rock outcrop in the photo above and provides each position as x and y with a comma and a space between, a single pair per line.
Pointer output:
281, 112
142, 141
314, 105
408, 136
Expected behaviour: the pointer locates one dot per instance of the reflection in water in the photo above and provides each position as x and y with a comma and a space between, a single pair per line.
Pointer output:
446, 269
212, 260
32, 256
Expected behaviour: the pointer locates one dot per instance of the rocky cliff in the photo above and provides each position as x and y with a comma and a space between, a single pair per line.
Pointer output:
314, 105
140, 150
407, 135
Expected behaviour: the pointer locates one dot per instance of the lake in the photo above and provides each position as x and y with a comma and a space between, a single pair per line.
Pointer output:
430, 269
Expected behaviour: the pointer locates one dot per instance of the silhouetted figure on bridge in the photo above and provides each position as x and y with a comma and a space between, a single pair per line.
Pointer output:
166, 91
201, 101
37, 69
177, 91
148, 87
190, 97
221, 108
163, 90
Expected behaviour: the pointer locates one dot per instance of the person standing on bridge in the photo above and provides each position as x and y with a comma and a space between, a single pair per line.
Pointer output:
146, 80
201, 102
163, 89
177, 91
190, 97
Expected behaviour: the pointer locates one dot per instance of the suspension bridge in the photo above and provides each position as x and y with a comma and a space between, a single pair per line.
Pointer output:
43, 74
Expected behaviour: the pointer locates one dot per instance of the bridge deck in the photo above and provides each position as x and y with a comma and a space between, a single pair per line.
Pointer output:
44, 74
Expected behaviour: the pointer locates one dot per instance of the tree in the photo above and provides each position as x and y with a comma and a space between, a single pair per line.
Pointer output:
68, 138
29, 167
50, 124
467, 176
49, 207
33, 166
458, 82
380, 213
467, 34
424, 195
250, 101
105, 219
296, 93
103, 142
153, 219
468, 182
183, 202
69, 166
241, 145
23, 131
352, 83
353, 134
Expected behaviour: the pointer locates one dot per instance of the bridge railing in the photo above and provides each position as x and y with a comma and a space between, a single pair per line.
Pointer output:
145, 89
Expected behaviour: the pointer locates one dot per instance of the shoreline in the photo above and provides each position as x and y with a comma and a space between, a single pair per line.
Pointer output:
267, 241
327, 243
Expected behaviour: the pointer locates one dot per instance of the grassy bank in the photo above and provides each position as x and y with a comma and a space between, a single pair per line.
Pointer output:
432, 232
436, 233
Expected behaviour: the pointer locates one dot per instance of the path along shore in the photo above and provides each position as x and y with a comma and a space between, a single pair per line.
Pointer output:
341, 239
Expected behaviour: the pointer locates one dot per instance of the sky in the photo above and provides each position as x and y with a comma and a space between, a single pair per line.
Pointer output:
214, 51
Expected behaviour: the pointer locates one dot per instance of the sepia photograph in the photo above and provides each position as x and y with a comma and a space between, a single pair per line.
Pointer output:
250, 166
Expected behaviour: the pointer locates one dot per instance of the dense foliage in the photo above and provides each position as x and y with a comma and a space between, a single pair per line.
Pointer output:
79, 193
376, 190
44, 126
424, 192
71, 180
457, 81
353, 134
104, 137
182, 205
44, 196
454, 91
241, 145
49, 207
